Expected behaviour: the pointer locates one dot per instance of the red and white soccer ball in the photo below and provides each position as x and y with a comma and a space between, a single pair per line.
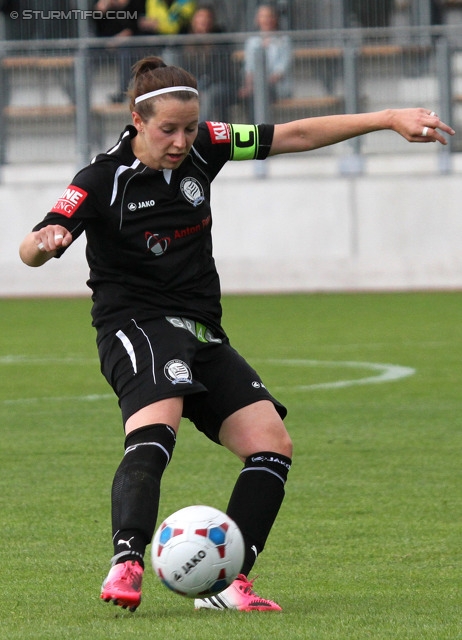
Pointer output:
197, 551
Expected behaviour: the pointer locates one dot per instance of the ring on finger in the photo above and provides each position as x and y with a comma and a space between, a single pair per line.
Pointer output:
425, 131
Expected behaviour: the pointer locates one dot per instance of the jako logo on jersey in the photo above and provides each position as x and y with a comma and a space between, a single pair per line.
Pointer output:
141, 205
178, 372
156, 244
192, 191
258, 385
70, 201
219, 132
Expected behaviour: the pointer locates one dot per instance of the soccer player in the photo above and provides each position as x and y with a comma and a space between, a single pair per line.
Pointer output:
145, 208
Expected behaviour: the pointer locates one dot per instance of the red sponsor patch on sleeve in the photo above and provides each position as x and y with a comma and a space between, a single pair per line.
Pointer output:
219, 132
70, 201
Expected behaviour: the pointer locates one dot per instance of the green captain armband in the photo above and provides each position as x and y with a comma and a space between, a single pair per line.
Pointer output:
245, 141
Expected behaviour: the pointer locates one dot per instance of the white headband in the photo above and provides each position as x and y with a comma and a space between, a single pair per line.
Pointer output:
159, 92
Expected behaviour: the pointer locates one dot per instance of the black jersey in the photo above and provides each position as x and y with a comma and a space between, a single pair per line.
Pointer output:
149, 243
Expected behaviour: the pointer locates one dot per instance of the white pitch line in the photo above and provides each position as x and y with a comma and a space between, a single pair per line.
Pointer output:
18, 359
386, 373
88, 398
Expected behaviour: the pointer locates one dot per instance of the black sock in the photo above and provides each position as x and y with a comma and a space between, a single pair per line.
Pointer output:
136, 490
256, 499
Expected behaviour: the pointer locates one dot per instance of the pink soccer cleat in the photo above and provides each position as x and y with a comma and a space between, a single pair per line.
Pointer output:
239, 596
123, 585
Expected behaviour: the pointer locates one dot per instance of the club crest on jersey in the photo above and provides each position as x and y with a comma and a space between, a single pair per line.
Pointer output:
70, 201
157, 245
178, 372
192, 191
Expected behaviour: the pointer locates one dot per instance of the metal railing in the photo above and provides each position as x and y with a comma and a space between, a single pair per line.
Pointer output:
57, 102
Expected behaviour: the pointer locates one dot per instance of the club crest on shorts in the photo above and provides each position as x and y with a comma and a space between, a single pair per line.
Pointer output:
178, 372
192, 191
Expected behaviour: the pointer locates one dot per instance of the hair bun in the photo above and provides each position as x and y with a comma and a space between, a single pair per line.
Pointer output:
147, 64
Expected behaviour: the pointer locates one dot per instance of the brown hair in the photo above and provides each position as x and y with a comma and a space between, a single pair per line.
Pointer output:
151, 74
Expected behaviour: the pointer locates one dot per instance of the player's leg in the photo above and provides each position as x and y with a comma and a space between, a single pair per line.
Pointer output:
149, 443
257, 435
149, 447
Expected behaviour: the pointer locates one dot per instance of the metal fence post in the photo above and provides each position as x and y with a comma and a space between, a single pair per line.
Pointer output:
444, 75
352, 163
421, 13
260, 100
4, 96
82, 105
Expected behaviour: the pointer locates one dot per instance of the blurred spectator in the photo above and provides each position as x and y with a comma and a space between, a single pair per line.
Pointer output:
153, 17
278, 50
436, 12
211, 64
167, 17
369, 13
120, 23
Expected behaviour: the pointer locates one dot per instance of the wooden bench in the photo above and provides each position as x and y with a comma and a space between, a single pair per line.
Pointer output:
304, 107
111, 109
38, 112
319, 54
40, 63
301, 53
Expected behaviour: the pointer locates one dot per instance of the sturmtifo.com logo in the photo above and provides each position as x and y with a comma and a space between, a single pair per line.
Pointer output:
73, 14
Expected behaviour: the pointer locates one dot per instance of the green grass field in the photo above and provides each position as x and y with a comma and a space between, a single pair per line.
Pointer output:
368, 541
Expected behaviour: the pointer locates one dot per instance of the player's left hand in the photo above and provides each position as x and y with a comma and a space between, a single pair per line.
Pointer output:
420, 125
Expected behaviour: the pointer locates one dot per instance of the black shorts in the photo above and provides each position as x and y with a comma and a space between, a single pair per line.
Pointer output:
147, 361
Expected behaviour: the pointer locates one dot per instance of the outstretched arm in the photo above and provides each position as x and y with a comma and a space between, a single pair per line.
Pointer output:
415, 125
40, 246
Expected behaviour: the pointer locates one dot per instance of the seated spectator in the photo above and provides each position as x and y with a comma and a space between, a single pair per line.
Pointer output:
369, 13
167, 17
122, 19
436, 12
210, 63
122, 24
278, 49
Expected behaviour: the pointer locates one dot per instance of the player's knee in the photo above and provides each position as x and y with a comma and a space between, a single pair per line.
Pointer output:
280, 441
261, 438
286, 446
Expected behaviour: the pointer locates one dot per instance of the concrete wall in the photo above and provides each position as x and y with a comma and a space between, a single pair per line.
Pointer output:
303, 228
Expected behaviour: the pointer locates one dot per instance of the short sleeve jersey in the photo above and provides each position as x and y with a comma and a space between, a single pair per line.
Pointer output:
149, 243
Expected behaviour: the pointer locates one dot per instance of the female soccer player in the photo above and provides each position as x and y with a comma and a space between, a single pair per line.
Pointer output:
145, 208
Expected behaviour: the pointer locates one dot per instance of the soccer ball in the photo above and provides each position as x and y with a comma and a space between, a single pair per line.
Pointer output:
197, 551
